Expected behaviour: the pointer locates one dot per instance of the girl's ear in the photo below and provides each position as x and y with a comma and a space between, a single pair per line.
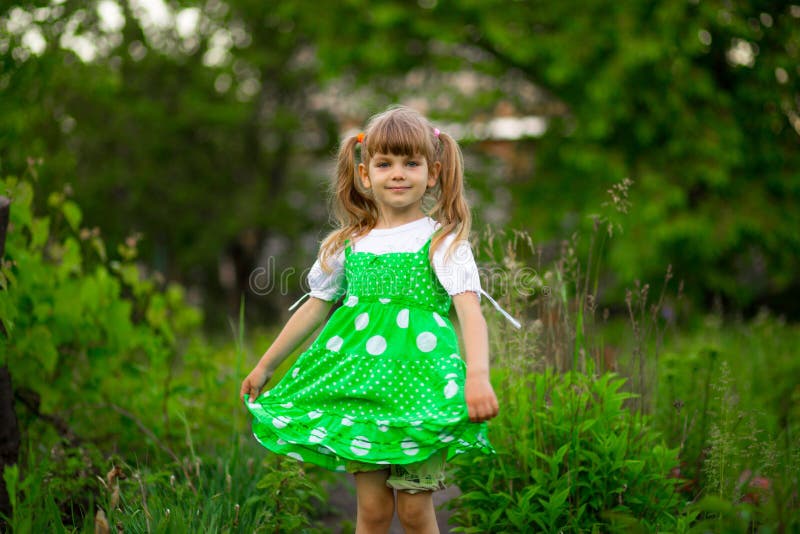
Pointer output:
433, 175
363, 172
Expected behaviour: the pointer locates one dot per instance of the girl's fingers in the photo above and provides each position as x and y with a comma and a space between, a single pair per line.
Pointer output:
479, 413
483, 408
482, 412
248, 390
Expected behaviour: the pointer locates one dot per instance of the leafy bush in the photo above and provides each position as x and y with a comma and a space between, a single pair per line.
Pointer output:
576, 451
570, 457
105, 354
88, 336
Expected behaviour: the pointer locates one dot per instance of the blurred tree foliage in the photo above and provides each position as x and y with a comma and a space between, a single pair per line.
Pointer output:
186, 138
211, 135
698, 102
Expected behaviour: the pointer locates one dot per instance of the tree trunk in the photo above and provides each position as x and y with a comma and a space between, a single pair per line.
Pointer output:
9, 429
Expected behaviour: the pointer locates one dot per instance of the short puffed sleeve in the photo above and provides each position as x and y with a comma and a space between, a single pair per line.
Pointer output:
328, 286
458, 272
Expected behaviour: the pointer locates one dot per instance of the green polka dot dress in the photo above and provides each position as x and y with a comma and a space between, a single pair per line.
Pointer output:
383, 383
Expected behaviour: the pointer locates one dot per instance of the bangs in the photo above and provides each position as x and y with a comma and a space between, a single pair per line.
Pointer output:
400, 133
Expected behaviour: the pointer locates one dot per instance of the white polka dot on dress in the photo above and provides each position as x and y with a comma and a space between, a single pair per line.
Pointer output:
409, 447
317, 435
376, 345
362, 321
334, 344
402, 318
426, 341
360, 446
281, 421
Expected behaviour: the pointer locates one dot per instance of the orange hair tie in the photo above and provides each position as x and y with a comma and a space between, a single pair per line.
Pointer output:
360, 137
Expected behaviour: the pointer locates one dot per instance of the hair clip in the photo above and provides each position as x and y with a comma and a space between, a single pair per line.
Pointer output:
360, 137
436, 132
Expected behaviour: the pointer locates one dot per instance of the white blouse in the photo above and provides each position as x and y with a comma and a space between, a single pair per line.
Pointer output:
457, 272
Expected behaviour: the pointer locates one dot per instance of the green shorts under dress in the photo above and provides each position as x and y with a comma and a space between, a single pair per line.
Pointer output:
383, 383
427, 475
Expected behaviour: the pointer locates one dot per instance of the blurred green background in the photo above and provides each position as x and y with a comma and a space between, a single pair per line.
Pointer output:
169, 164
208, 128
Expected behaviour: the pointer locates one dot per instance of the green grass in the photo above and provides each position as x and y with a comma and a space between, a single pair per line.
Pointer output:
242, 489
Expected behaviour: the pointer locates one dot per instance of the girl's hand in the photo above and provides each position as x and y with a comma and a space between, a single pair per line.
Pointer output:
481, 400
252, 384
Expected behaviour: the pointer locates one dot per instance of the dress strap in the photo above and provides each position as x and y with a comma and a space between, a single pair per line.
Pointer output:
298, 301
501, 310
426, 246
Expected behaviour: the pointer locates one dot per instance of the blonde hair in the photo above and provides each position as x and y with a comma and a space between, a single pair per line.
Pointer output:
401, 131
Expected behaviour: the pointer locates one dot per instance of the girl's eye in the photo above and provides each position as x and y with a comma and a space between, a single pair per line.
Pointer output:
383, 164
413, 163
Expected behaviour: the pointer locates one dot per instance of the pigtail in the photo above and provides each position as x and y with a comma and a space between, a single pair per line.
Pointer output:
353, 212
451, 209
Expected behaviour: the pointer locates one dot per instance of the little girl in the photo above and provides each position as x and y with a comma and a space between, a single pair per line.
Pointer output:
383, 391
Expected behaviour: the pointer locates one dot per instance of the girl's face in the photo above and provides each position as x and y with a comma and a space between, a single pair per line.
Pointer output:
398, 183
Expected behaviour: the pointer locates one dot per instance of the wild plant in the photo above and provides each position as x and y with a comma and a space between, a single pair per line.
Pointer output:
105, 358
572, 455
727, 398
273, 495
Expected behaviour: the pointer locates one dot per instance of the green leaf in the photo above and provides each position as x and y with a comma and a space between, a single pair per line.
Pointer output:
559, 455
21, 198
635, 466
71, 258
586, 425
558, 499
72, 213
8, 313
100, 247
40, 230
714, 505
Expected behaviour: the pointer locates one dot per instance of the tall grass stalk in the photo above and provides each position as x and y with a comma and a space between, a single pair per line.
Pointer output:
238, 332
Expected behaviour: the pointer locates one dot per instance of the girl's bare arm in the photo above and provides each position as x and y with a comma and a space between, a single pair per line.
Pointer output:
300, 325
480, 397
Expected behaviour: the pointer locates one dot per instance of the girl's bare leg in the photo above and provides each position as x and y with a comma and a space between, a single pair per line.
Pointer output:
416, 512
375, 502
